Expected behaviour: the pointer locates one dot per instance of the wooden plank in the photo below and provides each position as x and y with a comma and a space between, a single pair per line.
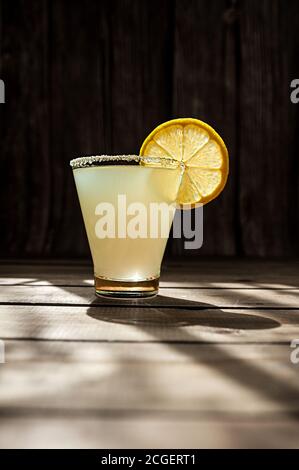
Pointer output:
57, 432
140, 54
268, 128
228, 266
187, 381
95, 86
108, 324
72, 281
96, 63
18, 352
205, 87
24, 130
221, 397
206, 273
79, 42
194, 298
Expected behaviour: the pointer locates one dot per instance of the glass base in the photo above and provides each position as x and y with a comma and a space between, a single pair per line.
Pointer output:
126, 289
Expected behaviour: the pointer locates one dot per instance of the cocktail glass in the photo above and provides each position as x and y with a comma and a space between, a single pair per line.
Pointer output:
128, 205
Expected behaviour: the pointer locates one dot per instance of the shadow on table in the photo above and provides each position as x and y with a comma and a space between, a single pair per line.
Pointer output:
174, 312
243, 370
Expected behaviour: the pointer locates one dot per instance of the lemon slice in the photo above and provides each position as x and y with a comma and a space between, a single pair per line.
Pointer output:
198, 150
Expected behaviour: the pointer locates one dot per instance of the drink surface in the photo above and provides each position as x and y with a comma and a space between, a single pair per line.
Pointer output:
123, 257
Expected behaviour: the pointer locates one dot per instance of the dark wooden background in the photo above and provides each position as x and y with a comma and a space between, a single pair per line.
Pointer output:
86, 77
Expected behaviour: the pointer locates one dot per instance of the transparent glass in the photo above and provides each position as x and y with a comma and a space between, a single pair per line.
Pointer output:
128, 209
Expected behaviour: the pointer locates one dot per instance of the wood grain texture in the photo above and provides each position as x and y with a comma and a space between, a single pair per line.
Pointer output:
24, 163
141, 55
173, 371
195, 298
96, 77
267, 140
94, 433
191, 381
78, 102
205, 87
230, 273
131, 325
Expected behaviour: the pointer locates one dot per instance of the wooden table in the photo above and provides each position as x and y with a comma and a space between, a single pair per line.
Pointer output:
204, 364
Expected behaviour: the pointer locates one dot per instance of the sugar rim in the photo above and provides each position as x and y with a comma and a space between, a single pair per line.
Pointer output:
82, 162
95, 160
